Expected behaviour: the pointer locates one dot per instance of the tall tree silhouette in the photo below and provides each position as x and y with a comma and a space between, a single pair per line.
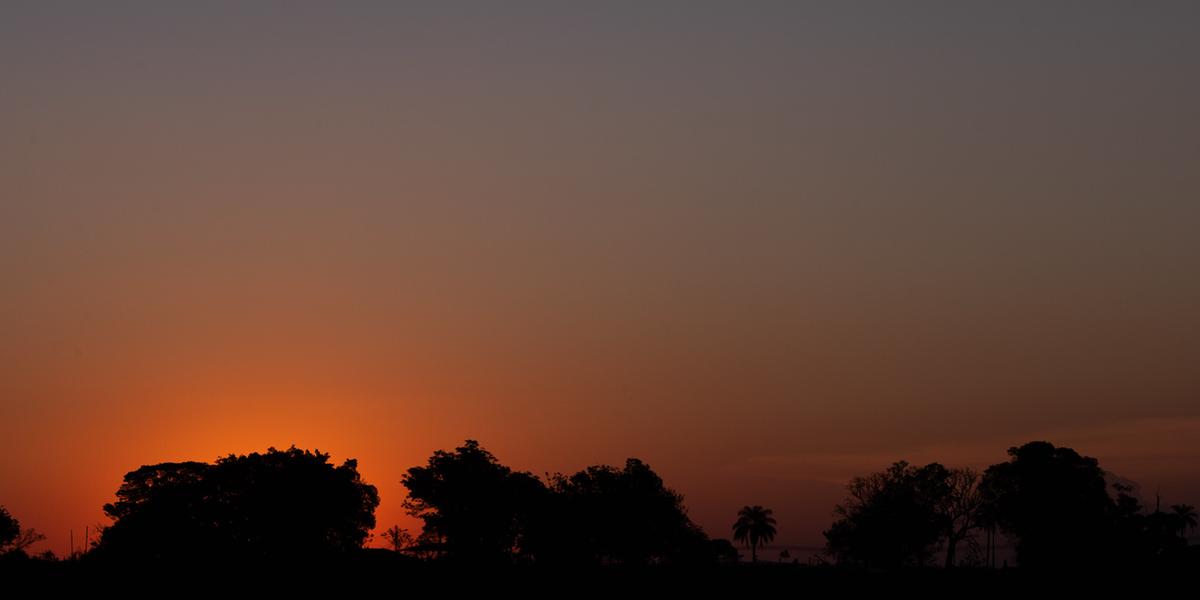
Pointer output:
283, 504
755, 525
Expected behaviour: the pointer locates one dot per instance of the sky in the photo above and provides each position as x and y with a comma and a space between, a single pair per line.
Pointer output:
763, 246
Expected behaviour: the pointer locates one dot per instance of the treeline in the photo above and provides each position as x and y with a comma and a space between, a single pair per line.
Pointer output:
1055, 505
295, 506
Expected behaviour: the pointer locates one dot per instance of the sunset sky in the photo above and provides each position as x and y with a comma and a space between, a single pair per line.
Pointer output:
763, 246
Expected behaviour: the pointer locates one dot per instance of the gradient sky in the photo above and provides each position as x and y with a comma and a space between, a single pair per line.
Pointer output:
763, 246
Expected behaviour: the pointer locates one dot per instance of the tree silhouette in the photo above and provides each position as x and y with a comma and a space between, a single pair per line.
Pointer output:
282, 504
603, 514
10, 528
475, 509
1143, 539
900, 516
962, 508
754, 526
399, 539
1186, 517
478, 511
895, 518
1055, 502
13, 539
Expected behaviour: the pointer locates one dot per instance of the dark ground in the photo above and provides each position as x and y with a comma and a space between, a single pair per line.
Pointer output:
383, 573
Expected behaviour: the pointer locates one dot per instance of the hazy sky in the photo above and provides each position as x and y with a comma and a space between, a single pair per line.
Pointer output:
763, 246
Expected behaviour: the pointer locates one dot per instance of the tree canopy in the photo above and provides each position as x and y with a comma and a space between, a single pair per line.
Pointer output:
904, 515
477, 510
15, 540
10, 528
626, 516
474, 508
281, 504
1055, 502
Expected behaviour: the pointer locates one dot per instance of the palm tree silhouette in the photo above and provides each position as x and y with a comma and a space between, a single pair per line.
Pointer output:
1186, 517
754, 526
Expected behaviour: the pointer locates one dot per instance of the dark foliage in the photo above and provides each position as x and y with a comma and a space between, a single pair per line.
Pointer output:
294, 507
1057, 505
10, 528
475, 509
478, 511
1052, 501
282, 504
625, 516
1055, 502
894, 518
1144, 539
13, 539
755, 525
